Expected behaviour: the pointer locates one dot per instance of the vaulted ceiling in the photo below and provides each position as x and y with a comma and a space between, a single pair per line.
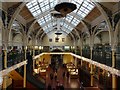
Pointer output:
40, 11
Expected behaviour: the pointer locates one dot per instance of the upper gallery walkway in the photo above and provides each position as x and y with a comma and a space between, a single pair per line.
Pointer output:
97, 64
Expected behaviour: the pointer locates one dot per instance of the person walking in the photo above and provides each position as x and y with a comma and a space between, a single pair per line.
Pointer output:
51, 76
68, 75
63, 74
49, 87
55, 75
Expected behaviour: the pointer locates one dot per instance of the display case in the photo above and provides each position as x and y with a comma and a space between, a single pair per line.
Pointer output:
72, 70
41, 68
74, 73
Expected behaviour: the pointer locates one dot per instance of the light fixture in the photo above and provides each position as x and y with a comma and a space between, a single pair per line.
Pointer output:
36, 47
65, 7
40, 47
26, 47
56, 14
58, 33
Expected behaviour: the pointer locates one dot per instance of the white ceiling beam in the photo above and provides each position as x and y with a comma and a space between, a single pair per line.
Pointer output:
48, 12
69, 24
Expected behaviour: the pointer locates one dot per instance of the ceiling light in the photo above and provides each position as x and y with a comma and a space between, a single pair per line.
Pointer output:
56, 14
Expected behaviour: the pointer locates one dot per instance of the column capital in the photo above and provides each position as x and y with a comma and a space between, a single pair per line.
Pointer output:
25, 47
91, 47
113, 49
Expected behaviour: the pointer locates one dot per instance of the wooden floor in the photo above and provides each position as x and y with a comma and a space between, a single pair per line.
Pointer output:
68, 83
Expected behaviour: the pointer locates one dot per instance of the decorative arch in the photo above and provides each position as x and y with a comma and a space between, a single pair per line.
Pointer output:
104, 14
24, 3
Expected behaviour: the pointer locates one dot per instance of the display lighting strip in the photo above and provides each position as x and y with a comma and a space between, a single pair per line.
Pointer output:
37, 56
6, 71
102, 66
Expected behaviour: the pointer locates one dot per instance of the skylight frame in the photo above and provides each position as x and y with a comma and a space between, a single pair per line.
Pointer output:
83, 9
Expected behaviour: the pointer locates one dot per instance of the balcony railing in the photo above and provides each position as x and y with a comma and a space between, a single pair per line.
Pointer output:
6, 71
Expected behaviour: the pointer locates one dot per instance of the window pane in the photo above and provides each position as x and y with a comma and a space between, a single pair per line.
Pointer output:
43, 9
37, 7
41, 5
34, 3
83, 15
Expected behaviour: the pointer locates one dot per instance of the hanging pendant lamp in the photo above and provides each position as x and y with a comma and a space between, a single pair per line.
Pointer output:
65, 7
56, 14
58, 33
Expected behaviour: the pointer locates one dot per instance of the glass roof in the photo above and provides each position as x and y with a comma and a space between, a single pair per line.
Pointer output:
39, 9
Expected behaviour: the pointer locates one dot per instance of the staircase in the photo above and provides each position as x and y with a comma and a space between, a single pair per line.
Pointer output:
17, 81
15, 76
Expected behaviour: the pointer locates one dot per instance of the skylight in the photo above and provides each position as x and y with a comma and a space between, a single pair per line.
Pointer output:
38, 8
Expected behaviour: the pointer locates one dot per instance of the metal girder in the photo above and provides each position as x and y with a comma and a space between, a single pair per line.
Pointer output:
63, 28
38, 32
41, 15
48, 12
52, 29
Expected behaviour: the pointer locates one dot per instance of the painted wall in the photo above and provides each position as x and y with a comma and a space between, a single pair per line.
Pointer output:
67, 40
68, 58
96, 40
30, 43
87, 42
105, 37
17, 40
47, 58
